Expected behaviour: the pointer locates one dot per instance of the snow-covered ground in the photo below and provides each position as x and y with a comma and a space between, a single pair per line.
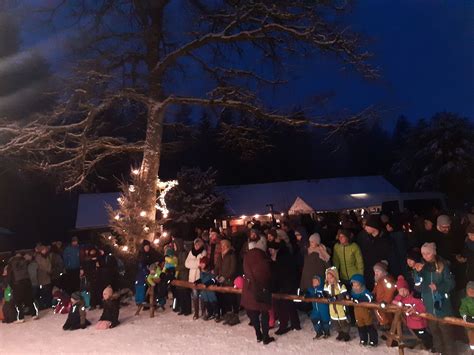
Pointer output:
167, 333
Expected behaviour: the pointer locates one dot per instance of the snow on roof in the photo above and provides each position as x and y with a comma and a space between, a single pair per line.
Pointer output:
322, 195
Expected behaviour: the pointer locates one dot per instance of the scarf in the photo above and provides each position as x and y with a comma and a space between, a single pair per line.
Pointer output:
197, 252
321, 251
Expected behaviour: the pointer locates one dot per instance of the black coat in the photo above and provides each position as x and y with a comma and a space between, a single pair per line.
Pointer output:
76, 319
111, 311
284, 271
374, 249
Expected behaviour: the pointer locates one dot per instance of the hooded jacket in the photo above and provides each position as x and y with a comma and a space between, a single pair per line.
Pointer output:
348, 260
363, 315
320, 311
337, 291
413, 321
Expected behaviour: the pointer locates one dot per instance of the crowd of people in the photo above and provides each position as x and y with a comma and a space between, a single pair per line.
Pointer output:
425, 265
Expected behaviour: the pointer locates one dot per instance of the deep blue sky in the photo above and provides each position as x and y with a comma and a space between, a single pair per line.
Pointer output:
425, 50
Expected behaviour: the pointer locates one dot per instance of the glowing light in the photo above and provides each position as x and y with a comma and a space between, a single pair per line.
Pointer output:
131, 188
243, 216
165, 234
135, 171
282, 214
361, 195
120, 200
389, 285
269, 214
156, 241
146, 229
164, 187
143, 214
110, 237
125, 248
117, 217
256, 216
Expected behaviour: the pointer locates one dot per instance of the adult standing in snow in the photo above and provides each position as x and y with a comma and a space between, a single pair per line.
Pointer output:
72, 264
284, 274
57, 264
214, 248
19, 280
226, 271
183, 294
256, 296
375, 247
44, 277
192, 263
435, 282
316, 261
146, 257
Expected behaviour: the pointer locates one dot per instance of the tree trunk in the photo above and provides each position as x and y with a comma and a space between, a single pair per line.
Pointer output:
151, 163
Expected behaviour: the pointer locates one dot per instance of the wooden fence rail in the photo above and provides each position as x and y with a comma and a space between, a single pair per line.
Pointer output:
388, 308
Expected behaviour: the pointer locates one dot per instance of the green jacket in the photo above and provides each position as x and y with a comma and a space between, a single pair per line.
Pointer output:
467, 307
348, 260
444, 281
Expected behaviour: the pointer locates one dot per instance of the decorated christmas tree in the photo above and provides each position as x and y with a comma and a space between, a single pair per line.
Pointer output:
131, 223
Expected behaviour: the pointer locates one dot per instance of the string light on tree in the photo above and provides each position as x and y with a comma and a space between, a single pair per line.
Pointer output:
135, 171
131, 188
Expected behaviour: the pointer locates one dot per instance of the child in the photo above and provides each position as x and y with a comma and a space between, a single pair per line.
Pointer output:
335, 290
110, 314
171, 261
359, 294
384, 291
156, 280
208, 297
61, 301
76, 318
320, 313
467, 311
85, 289
417, 324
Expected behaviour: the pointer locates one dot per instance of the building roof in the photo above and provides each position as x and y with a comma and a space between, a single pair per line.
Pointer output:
322, 195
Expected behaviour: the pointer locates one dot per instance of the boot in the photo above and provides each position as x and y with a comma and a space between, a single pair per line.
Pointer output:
267, 340
196, 308
233, 320
203, 307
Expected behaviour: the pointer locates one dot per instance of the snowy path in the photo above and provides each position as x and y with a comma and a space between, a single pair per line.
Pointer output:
167, 333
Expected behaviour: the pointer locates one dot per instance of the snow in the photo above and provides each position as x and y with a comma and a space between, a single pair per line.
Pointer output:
167, 333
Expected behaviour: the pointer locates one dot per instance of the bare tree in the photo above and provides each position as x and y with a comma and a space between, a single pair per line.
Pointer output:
136, 52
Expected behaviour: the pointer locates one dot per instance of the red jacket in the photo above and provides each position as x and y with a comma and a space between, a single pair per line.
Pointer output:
257, 273
413, 321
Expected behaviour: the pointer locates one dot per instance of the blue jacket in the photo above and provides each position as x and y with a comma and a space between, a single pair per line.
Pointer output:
320, 310
71, 257
364, 296
206, 279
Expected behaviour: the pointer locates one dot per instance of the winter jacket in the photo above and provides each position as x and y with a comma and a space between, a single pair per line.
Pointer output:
182, 272
192, 263
398, 255
320, 311
284, 272
44, 269
363, 315
227, 268
257, 272
338, 292
207, 279
17, 270
76, 318
57, 265
413, 321
437, 303
171, 262
348, 260
152, 278
71, 257
33, 272
467, 307
214, 252
373, 249
312, 265
468, 253
111, 310
384, 291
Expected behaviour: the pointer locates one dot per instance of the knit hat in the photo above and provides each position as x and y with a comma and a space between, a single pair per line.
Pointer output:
414, 255
429, 247
146, 242
402, 283
374, 222
332, 271
315, 237
76, 296
470, 229
197, 240
169, 252
345, 232
470, 285
382, 266
108, 292
443, 220
358, 278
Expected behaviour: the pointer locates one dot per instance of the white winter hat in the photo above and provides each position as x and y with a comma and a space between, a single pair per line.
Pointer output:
315, 237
